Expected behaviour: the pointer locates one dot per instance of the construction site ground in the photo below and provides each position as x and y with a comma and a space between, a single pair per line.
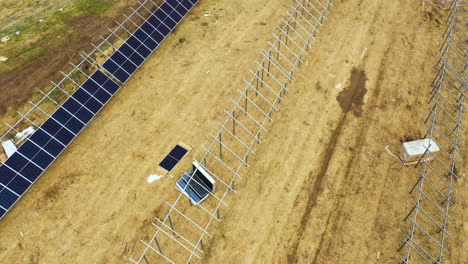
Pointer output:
321, 189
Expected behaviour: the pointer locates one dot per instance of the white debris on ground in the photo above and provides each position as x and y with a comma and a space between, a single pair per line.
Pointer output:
25, 133
339, 86
154, 177
5, 39
3, 58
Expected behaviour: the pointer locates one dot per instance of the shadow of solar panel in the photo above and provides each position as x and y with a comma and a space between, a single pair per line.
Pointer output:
19, 185
28, 149
6, 175
43, 159
168, 163
7, 198
178, 152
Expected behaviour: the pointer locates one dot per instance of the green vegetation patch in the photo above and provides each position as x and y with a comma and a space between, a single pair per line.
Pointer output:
96, 7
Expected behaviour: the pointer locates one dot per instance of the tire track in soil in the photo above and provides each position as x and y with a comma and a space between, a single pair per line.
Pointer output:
350, 100
313, 194
346, 184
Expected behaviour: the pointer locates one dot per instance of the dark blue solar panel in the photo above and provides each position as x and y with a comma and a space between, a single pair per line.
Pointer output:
111, 86
170, 23
158, 36
90, 86
121, 75
7, 198
81, 95
159, 16
133, 42
74, 125
148, 28
168, 163
64, 136
126, 49
40, 137
57, 132
28, 149
93, 105
164, 30
141, 35
144, 51
43, 159
181, 9
178, 152
110, 66
31, 172
6, 174
71, 105
19, 185
84, 115
151, 44
136, 59
129, 67
61, 116
99, 77
51, 126
102, 95
16, 162
173, 14
53, 147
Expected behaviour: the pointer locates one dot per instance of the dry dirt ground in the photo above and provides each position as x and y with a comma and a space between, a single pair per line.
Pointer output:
322, 189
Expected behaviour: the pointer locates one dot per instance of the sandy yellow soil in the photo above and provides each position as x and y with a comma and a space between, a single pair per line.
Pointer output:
322, 188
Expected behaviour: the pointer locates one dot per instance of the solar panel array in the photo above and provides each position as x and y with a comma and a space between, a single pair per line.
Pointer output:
126, 60
195, 185
38, 152
171, 160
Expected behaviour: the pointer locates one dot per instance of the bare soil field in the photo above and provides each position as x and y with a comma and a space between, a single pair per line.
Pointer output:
322, 188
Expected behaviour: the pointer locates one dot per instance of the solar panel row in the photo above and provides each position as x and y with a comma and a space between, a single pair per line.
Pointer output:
25, 166
171, 160
38, 152
128, 58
